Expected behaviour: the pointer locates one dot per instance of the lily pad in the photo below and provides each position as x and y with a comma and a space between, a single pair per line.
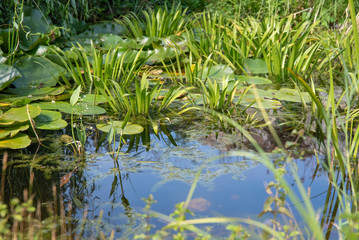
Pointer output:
81, 108
55, 105
129, 129
36, 92
21, 114
12, 131
19, 141
47, 116
7, 75
37, 72
54, 125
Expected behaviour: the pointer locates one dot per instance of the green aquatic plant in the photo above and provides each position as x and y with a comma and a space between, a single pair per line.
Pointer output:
162, 22
17, 120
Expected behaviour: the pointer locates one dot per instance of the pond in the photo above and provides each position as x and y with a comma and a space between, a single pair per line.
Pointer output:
101, 186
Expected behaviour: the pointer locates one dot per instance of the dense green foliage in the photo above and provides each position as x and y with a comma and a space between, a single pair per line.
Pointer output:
265, 55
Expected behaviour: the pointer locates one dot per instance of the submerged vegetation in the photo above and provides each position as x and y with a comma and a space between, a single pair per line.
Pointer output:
289, 69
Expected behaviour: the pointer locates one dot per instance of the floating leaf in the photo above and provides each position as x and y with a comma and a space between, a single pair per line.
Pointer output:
12, 131
55, 105
36, 92
19, 141
7, 75
81, 108
129, 129
48, 116
20, 114
37, 72
54, 125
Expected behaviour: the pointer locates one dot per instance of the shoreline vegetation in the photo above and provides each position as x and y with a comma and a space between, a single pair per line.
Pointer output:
283, 69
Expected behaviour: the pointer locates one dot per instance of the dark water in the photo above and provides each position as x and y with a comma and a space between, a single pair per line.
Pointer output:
229, 186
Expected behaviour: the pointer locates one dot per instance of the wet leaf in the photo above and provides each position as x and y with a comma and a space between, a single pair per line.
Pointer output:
129, 129
19, 141
81, 108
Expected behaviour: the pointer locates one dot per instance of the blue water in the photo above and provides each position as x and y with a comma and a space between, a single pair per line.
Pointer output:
230, 186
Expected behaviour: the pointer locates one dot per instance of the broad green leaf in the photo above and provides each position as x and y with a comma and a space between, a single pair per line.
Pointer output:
37, 72
75, 96
81, 108
47, 116
129, 129
54, 125
21, 114
7, 75
35, 29
255, 66
19, 141
36, 92
12, 131
52, 105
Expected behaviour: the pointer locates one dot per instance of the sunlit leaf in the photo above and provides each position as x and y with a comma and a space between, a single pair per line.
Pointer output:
54, 125
21, 114
19, 141
129, 129
12, 131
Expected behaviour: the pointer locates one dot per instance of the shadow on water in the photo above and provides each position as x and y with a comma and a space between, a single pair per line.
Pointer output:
109, 189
